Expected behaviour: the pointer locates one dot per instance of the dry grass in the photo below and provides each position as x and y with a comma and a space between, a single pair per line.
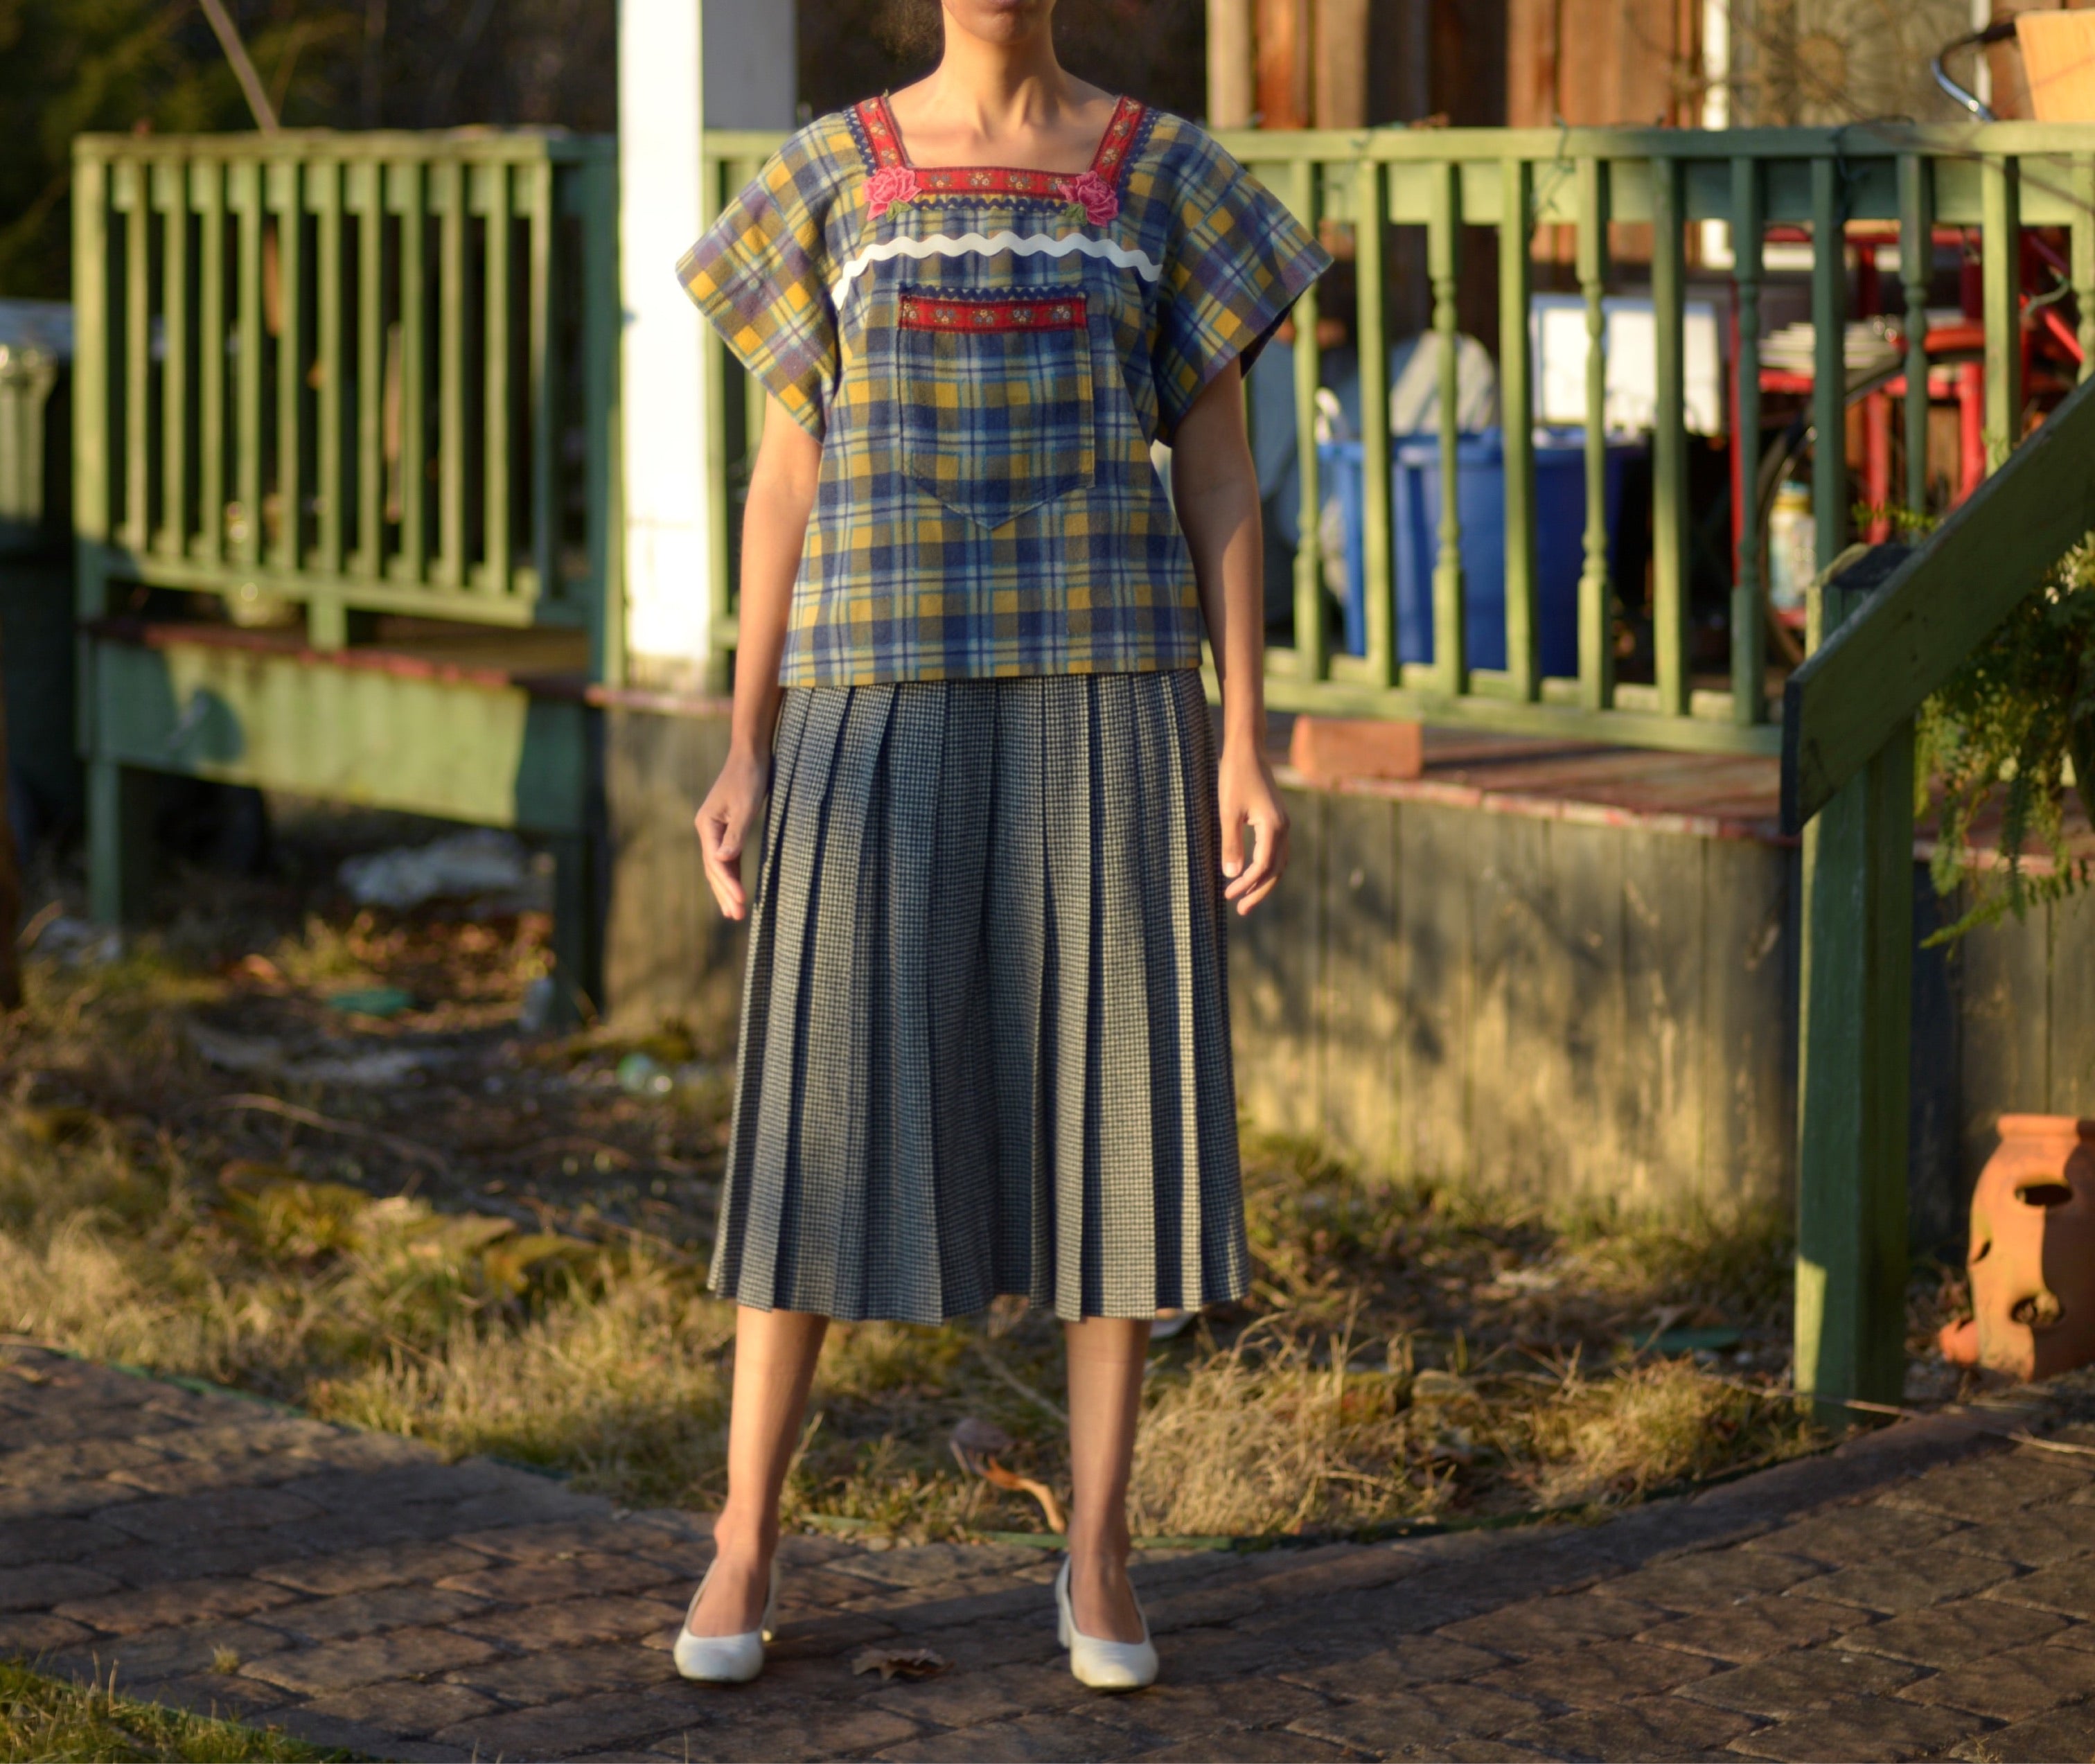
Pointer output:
44, 1719
1428, 1356
508, 1256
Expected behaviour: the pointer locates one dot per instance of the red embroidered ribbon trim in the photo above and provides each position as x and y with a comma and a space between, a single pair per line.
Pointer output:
1094, 190
1062, 313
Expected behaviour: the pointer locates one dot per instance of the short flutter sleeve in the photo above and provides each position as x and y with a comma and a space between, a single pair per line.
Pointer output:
1239, 259
760, 275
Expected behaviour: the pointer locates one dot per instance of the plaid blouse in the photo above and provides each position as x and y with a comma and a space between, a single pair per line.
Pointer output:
985, 355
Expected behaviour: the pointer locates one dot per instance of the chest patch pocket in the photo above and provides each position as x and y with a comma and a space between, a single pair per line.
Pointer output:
994, 392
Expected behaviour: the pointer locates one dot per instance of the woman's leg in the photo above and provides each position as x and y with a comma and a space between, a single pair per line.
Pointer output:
1106, 1359
774, 1364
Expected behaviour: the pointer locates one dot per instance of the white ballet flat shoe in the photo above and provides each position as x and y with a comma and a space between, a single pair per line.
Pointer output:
1103, 1666
724, 1659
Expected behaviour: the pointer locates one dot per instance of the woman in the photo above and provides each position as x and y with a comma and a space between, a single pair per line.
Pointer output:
984, 1043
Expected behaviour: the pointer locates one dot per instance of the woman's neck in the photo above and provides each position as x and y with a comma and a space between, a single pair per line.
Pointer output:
1000, 90
992, 103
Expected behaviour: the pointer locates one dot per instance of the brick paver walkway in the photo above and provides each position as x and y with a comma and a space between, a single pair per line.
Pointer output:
1927, 1591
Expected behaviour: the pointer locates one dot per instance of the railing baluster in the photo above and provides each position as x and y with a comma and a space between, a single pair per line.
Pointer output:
368, 202
449, 192
207, 179
1443, 244
2000, 183
1311, 659
495, 432
1596, 636
245, 181
323, 186
170, 197
1916, 270
718, 366
1829, 383
91, 365
544, 382
2083, 186
1668, 442
1371, 232
1516, 425
1748, 622
287, 191
137, 356
756, 404
413, 565
598, 184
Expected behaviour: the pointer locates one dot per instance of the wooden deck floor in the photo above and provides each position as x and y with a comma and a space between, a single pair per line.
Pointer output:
1715, 795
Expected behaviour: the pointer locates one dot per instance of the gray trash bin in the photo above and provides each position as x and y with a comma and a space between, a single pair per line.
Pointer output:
44, 784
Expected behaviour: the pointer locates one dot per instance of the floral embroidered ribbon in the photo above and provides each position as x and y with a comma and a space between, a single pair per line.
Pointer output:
1092, 196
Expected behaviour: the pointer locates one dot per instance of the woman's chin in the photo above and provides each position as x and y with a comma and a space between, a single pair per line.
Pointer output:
998, 21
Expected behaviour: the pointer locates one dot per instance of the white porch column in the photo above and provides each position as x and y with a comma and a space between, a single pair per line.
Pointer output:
683, 65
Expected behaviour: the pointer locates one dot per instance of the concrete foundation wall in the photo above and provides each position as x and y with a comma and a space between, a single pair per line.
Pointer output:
667, 953
1549, 1007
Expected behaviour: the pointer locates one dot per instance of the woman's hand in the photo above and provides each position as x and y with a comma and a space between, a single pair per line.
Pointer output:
729, 813
1250, 799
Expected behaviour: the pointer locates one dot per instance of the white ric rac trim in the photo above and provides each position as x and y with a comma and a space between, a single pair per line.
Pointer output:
978, 244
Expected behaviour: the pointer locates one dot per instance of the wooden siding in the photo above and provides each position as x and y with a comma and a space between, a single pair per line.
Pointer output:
1620, 64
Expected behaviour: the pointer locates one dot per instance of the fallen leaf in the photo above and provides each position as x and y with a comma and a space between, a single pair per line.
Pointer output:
975, 1445
900, 1662
263, 971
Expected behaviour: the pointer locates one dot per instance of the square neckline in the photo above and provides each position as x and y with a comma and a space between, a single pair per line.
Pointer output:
884, 139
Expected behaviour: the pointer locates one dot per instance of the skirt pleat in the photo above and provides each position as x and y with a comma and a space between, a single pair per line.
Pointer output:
985, 1040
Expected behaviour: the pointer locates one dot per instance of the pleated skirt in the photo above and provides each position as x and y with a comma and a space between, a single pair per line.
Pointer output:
985, 1039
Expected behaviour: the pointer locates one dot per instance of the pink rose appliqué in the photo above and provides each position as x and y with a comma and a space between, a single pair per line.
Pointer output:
1098, 199
891, 183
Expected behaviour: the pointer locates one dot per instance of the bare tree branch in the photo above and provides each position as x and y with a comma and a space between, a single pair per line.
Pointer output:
243, 69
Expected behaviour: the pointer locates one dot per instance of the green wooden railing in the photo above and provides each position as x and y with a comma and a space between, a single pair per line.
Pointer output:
364, 373
1992, 180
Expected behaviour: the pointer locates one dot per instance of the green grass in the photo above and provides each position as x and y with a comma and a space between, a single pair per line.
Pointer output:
44, 1719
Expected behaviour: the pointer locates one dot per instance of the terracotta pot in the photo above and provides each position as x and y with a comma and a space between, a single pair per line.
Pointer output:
2033, 1257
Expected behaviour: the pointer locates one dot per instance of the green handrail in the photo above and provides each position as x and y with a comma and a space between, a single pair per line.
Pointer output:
1992, 179
364, 373
1938, 603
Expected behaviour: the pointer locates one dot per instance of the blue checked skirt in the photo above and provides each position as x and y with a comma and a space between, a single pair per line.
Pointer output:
985, 1037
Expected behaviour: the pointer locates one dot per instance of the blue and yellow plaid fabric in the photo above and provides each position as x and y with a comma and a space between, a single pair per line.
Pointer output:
986, 357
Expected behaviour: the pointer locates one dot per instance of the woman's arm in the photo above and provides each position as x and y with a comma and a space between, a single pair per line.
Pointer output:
774, 527
1216, 489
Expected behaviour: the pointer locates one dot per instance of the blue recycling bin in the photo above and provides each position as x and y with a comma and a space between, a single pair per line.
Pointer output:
1560, 509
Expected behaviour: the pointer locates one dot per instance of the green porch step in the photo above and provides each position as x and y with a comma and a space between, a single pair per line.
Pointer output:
488, 727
